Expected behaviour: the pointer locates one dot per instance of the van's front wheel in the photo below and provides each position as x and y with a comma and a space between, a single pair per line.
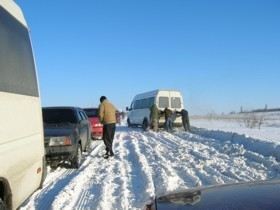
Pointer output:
128, 123
145, 125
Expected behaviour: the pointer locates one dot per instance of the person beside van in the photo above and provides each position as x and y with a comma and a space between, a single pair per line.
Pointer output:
168, 119
154, 117
185, 119
107, 116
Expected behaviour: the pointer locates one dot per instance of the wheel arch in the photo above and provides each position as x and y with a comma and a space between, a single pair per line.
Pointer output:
5, 192
145, 123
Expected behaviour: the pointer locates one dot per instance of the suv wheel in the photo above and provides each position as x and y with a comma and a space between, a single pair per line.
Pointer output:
76, 162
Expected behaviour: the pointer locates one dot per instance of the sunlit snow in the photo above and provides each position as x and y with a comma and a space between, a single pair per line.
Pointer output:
217, 151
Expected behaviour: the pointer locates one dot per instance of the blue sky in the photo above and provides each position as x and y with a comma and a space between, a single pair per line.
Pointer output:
220, 54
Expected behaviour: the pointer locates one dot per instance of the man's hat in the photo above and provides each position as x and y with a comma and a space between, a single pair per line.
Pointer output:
102, 98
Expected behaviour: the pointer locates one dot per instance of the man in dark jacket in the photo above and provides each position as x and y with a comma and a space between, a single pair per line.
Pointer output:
168, 119
107, 116
154, 116
185, 119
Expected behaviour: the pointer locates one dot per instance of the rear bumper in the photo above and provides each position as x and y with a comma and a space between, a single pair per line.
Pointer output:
176, 123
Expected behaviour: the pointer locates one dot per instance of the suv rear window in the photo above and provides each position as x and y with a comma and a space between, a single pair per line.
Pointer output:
57, 116
91, 112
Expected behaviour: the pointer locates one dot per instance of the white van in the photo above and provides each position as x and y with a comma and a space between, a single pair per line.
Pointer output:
139, 110
22, 168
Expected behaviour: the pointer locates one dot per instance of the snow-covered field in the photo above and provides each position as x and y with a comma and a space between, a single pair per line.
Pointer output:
148, 163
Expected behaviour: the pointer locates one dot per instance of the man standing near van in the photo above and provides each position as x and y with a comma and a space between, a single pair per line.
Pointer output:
185, 119
168, 119
154, 116
107, 116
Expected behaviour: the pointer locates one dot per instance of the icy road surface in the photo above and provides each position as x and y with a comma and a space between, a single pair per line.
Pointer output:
148, 163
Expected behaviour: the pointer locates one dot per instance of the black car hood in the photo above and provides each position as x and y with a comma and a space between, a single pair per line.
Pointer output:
59, 129
251, 195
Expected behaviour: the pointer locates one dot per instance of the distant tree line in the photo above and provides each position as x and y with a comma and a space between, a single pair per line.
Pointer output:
259, 110
266, 110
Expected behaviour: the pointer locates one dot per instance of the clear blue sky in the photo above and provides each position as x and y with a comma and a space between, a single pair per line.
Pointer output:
220, 54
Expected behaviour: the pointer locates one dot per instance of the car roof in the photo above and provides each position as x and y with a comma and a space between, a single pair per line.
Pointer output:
248, 195
61, 107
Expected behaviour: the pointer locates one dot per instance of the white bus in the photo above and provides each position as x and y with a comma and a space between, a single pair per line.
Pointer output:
139, 110
22, 168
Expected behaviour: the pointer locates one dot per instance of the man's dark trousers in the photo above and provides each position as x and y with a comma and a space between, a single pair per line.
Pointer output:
108, 136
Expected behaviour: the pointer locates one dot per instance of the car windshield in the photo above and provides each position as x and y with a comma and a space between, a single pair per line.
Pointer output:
58, 116
91, 112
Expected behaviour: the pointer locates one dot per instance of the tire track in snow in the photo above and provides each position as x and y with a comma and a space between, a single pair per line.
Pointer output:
117, 184
198, 154
56, 181
180, 156
141, 182
164, 176
125, 196
69, 195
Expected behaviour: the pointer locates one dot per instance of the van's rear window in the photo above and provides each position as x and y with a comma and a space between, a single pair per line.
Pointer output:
163, 102
175, 102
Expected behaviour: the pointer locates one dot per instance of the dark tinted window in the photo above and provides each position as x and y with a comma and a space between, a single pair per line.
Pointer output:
91, 112
56, 116
17, 69
175, 102
151, 101
163, 102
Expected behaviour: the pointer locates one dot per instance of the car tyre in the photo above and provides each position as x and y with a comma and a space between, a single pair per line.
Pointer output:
87, 149
76, 162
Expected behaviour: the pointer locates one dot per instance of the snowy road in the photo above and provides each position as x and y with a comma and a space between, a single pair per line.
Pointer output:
148, 163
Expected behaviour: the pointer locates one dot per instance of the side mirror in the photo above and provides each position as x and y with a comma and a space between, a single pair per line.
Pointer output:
127, 109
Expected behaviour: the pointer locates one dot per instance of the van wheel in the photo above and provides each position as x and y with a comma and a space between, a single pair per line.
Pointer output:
76, 162
145, 125
128, 123
3, 205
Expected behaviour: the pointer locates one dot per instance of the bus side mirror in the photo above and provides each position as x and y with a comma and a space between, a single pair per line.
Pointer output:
127, 109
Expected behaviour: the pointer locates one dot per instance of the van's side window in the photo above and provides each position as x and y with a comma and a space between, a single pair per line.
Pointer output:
175, 102
137, 104
17, 66
163, 102
145, 103
151, 101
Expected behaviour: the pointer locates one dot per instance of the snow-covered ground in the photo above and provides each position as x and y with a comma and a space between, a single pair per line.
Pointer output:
148, 163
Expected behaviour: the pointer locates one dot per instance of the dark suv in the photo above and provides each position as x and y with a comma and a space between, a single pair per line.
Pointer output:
67, 133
